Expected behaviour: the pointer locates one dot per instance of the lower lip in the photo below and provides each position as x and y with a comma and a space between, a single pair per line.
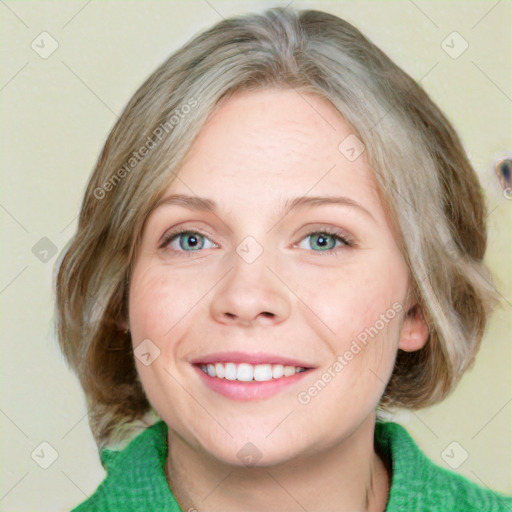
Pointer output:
247, 391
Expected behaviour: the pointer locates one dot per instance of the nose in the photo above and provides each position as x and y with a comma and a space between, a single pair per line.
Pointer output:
251, 294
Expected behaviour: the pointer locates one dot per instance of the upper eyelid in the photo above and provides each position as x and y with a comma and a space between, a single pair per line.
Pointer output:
173, 233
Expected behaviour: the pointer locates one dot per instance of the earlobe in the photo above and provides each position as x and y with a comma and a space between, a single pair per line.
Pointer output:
123, 325
414, 333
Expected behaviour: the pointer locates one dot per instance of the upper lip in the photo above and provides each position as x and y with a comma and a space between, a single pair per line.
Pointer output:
251, 358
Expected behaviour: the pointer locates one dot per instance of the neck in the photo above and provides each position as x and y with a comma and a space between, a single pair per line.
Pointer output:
349, 476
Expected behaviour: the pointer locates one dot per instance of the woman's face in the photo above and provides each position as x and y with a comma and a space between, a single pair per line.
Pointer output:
268, 281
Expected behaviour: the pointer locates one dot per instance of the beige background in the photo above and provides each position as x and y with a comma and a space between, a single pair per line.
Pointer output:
56, 114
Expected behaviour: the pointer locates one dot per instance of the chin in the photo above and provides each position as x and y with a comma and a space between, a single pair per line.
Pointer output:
249, 455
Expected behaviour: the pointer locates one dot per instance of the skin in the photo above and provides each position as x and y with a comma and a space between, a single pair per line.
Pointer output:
296, 299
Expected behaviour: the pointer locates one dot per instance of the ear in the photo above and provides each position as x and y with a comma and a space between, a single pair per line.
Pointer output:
414, 333
123, 325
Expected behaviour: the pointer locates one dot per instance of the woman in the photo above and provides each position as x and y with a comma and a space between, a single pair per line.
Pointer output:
282, 235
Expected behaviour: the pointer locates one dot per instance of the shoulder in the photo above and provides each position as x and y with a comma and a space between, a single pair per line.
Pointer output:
135, 478
418, 484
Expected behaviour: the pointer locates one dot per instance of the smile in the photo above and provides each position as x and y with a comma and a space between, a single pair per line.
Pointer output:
246, 376
246, 372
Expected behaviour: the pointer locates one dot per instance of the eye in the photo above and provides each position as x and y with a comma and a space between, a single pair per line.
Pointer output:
185, 241
325, 241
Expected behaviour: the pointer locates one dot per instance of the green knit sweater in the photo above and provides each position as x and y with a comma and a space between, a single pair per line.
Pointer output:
136, 481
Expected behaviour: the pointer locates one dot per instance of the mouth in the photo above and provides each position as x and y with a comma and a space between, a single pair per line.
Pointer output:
246, 372
243, 376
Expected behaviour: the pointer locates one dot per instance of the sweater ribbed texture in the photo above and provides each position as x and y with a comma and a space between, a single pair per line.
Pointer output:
136, 482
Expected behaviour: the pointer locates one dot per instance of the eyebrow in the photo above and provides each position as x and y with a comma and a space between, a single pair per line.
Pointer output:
197, 203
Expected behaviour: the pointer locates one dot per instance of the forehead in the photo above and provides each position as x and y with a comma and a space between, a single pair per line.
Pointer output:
265, 146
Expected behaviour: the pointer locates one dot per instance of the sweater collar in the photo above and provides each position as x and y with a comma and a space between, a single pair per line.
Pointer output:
411, 469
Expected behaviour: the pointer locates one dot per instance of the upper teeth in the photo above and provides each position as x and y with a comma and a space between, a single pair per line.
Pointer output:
246, 372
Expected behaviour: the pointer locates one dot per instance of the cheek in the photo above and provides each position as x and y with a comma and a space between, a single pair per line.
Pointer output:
158, 300
352, 301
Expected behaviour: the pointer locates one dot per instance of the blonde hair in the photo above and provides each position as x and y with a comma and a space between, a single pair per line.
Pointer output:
425, 181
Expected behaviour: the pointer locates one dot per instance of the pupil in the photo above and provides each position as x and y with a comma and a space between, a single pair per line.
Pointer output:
322, 240
189, 241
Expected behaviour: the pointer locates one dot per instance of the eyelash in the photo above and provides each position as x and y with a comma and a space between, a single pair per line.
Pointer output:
339, 236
